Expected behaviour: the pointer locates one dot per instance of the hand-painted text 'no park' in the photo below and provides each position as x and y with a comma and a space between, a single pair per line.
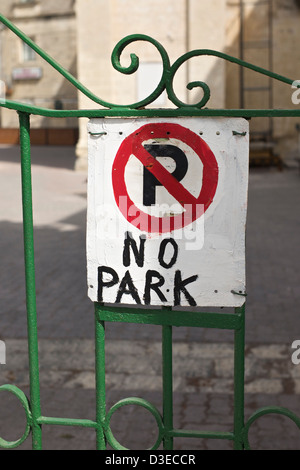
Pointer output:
153, 279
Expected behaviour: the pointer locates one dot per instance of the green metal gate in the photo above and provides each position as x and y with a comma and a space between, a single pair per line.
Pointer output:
166, 317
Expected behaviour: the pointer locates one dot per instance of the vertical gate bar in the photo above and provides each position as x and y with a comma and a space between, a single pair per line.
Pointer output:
100, 381
239, 378
24, 120
167, 384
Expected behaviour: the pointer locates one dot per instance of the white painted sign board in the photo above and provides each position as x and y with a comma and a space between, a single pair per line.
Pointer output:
167, 204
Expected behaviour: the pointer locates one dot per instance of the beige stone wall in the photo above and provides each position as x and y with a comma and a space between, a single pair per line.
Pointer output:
207, 30
284, 61
53, 28
6, 7
109, 22
179, 25
19, 9
93, 44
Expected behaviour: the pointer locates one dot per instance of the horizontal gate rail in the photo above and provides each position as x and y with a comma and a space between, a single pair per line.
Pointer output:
227, 321
166, 317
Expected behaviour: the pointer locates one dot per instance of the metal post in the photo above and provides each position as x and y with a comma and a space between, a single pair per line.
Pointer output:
239, 371
167, 385
30, 279
242, 103
100, 382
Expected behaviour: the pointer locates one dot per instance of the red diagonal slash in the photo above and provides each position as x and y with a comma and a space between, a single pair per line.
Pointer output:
172, 185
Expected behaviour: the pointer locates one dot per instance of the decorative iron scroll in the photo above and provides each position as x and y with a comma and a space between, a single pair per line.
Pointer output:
165, 84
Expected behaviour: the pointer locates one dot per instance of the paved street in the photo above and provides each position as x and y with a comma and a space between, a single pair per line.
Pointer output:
203, 381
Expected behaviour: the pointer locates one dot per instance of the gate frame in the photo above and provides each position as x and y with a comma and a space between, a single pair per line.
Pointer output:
166, 317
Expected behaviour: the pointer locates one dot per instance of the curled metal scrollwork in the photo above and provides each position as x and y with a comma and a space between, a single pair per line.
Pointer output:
196, 84
139, 402
278, 410
133, 67
25, 403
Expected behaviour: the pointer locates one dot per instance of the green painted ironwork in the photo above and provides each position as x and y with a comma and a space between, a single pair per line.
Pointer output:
166, 317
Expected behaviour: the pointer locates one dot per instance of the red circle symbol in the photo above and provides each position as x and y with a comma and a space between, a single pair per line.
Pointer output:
193, 207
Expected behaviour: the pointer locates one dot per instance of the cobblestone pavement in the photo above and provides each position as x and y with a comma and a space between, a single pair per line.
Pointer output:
203, 381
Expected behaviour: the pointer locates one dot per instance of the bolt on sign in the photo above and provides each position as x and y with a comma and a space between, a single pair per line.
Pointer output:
167, 203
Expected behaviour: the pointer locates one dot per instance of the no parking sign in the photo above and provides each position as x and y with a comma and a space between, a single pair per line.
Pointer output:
169, 141
167, 202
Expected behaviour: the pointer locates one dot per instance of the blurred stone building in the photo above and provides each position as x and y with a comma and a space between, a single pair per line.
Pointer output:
28, 78
81, 35
264, 32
